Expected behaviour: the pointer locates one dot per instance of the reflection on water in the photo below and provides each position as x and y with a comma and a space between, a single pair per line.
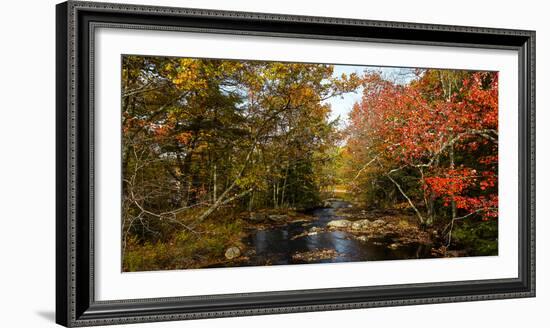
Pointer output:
276, 246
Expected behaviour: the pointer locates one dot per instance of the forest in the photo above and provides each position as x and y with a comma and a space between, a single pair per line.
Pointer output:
239, 163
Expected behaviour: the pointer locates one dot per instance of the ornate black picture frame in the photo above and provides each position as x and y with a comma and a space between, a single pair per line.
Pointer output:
75, 301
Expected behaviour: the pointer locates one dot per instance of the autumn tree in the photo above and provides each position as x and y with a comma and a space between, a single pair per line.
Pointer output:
204, 134
431, 142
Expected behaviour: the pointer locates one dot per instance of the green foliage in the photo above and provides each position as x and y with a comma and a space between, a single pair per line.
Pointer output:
480, 238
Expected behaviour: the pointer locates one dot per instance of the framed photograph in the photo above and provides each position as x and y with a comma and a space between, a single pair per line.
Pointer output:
214, 163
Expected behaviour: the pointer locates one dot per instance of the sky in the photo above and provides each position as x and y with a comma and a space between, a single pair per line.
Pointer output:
341, 106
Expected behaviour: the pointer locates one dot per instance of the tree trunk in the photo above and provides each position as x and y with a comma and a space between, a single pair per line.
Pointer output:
452, 164
431, 208
219, 203
284, 187
215, 186
251, 202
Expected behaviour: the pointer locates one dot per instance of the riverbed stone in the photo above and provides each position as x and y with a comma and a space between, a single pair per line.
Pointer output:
393, 246
232, 252
360, 224
339, 224
378, 223
278, 217
363, 238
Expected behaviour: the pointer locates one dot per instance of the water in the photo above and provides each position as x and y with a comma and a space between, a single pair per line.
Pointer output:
279, 245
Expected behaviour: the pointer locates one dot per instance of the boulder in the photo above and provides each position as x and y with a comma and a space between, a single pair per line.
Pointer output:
232, 252
363, 238
393, 246
378, 223
360, 224
277, 217
339, 224
315, 229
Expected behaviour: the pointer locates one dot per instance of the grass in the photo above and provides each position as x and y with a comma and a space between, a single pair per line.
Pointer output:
185, 249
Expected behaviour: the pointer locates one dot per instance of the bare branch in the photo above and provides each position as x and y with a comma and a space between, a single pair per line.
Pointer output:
418, 214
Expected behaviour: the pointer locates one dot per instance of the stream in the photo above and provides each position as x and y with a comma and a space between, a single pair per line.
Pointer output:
277, 245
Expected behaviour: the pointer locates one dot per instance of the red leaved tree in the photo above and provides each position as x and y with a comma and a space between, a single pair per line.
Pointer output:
434, 139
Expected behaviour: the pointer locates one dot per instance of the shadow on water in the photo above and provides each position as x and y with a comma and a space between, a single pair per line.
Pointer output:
277, 245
